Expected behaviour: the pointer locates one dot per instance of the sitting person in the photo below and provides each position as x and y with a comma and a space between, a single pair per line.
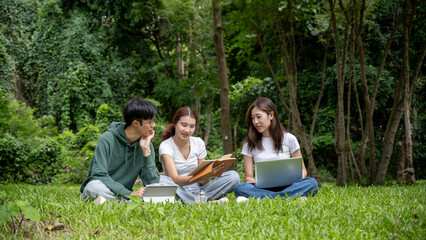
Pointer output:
267, 140
123, 152
180, 153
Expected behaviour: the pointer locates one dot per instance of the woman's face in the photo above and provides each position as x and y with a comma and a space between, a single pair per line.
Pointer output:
185, 127
261, 121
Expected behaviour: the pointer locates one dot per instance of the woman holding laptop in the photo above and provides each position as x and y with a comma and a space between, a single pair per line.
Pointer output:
180, 153
267, 140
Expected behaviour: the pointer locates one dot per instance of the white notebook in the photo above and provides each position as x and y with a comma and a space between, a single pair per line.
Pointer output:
159, 192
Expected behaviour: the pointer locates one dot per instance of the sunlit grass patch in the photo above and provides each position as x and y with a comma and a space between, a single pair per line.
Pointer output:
334, 213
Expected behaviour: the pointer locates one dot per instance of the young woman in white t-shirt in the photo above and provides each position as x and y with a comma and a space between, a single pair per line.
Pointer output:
180, 153
267, 140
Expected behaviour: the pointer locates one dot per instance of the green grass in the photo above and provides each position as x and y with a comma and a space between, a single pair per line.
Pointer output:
334, 213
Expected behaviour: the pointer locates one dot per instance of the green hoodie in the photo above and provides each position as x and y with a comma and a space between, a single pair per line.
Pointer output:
117, 163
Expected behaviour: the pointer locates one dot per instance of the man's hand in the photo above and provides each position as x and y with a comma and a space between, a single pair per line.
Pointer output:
138, 192
145, 141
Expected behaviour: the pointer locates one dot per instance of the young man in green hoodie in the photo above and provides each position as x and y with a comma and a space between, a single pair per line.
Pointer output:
123, 152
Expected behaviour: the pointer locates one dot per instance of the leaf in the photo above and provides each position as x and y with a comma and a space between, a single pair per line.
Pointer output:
31, 213
14, 209
53, 226
21, 203
4, 214
132, 205
134, 198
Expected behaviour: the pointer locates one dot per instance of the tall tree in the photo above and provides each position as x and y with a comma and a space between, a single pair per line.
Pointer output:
275, 20
223, 78
402, 102
339, 126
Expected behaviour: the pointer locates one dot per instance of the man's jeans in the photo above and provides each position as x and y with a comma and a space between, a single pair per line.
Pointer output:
97, 188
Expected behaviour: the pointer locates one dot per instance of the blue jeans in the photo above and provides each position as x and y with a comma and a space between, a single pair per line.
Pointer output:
302, 187
216, 189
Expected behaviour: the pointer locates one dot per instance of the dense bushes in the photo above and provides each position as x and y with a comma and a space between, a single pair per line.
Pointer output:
31, 151
31, 161
27, 153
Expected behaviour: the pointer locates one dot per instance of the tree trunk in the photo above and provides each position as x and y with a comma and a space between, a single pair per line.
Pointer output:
339, 124
400, 98
209, 117
223, 78
290, 69
369, 113
356, 31
390, 133
179, 60
352, 75
401, 164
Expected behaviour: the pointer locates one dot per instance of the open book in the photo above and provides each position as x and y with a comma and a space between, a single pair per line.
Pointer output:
204, 169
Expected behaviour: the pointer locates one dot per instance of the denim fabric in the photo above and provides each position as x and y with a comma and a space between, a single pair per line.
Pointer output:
216, 189
302, 187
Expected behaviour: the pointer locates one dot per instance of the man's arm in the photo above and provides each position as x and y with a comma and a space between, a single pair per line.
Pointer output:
149, 172
100, 169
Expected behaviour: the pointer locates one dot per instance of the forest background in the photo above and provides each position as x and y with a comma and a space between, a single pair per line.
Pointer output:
347, 77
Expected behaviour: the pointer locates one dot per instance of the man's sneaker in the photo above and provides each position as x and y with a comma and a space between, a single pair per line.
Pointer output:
241, 199
99, 200
222, 200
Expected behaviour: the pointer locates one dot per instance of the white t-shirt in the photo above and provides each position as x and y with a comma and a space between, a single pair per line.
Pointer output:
184, 166
290, 145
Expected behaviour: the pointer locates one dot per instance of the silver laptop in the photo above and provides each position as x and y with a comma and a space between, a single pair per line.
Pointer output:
159, 192
277, 173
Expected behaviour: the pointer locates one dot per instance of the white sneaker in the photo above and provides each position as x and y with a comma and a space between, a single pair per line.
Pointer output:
241, 199
222, 200
303, 199
99, 200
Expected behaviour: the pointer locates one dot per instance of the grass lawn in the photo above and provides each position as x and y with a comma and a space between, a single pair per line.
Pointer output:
334, 213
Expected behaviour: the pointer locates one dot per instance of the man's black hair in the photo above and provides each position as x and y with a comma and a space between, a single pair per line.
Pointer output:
138, 109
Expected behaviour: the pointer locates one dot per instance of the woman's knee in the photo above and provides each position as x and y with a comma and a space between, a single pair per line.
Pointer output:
234, 177
166, 180
240, 188
313, 185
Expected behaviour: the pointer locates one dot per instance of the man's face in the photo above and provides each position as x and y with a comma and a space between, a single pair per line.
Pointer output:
146, 127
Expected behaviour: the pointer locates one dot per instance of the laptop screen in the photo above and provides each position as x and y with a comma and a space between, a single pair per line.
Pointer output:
278, 172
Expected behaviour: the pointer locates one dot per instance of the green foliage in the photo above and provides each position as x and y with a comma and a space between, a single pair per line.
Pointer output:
325, 153
325, 175
77, 151
147, 208
26, 153
13, 158
105, 115
78, 62
43, 162
11, 211
22, 161
17, 119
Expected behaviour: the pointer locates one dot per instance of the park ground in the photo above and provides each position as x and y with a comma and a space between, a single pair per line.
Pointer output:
351, 212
